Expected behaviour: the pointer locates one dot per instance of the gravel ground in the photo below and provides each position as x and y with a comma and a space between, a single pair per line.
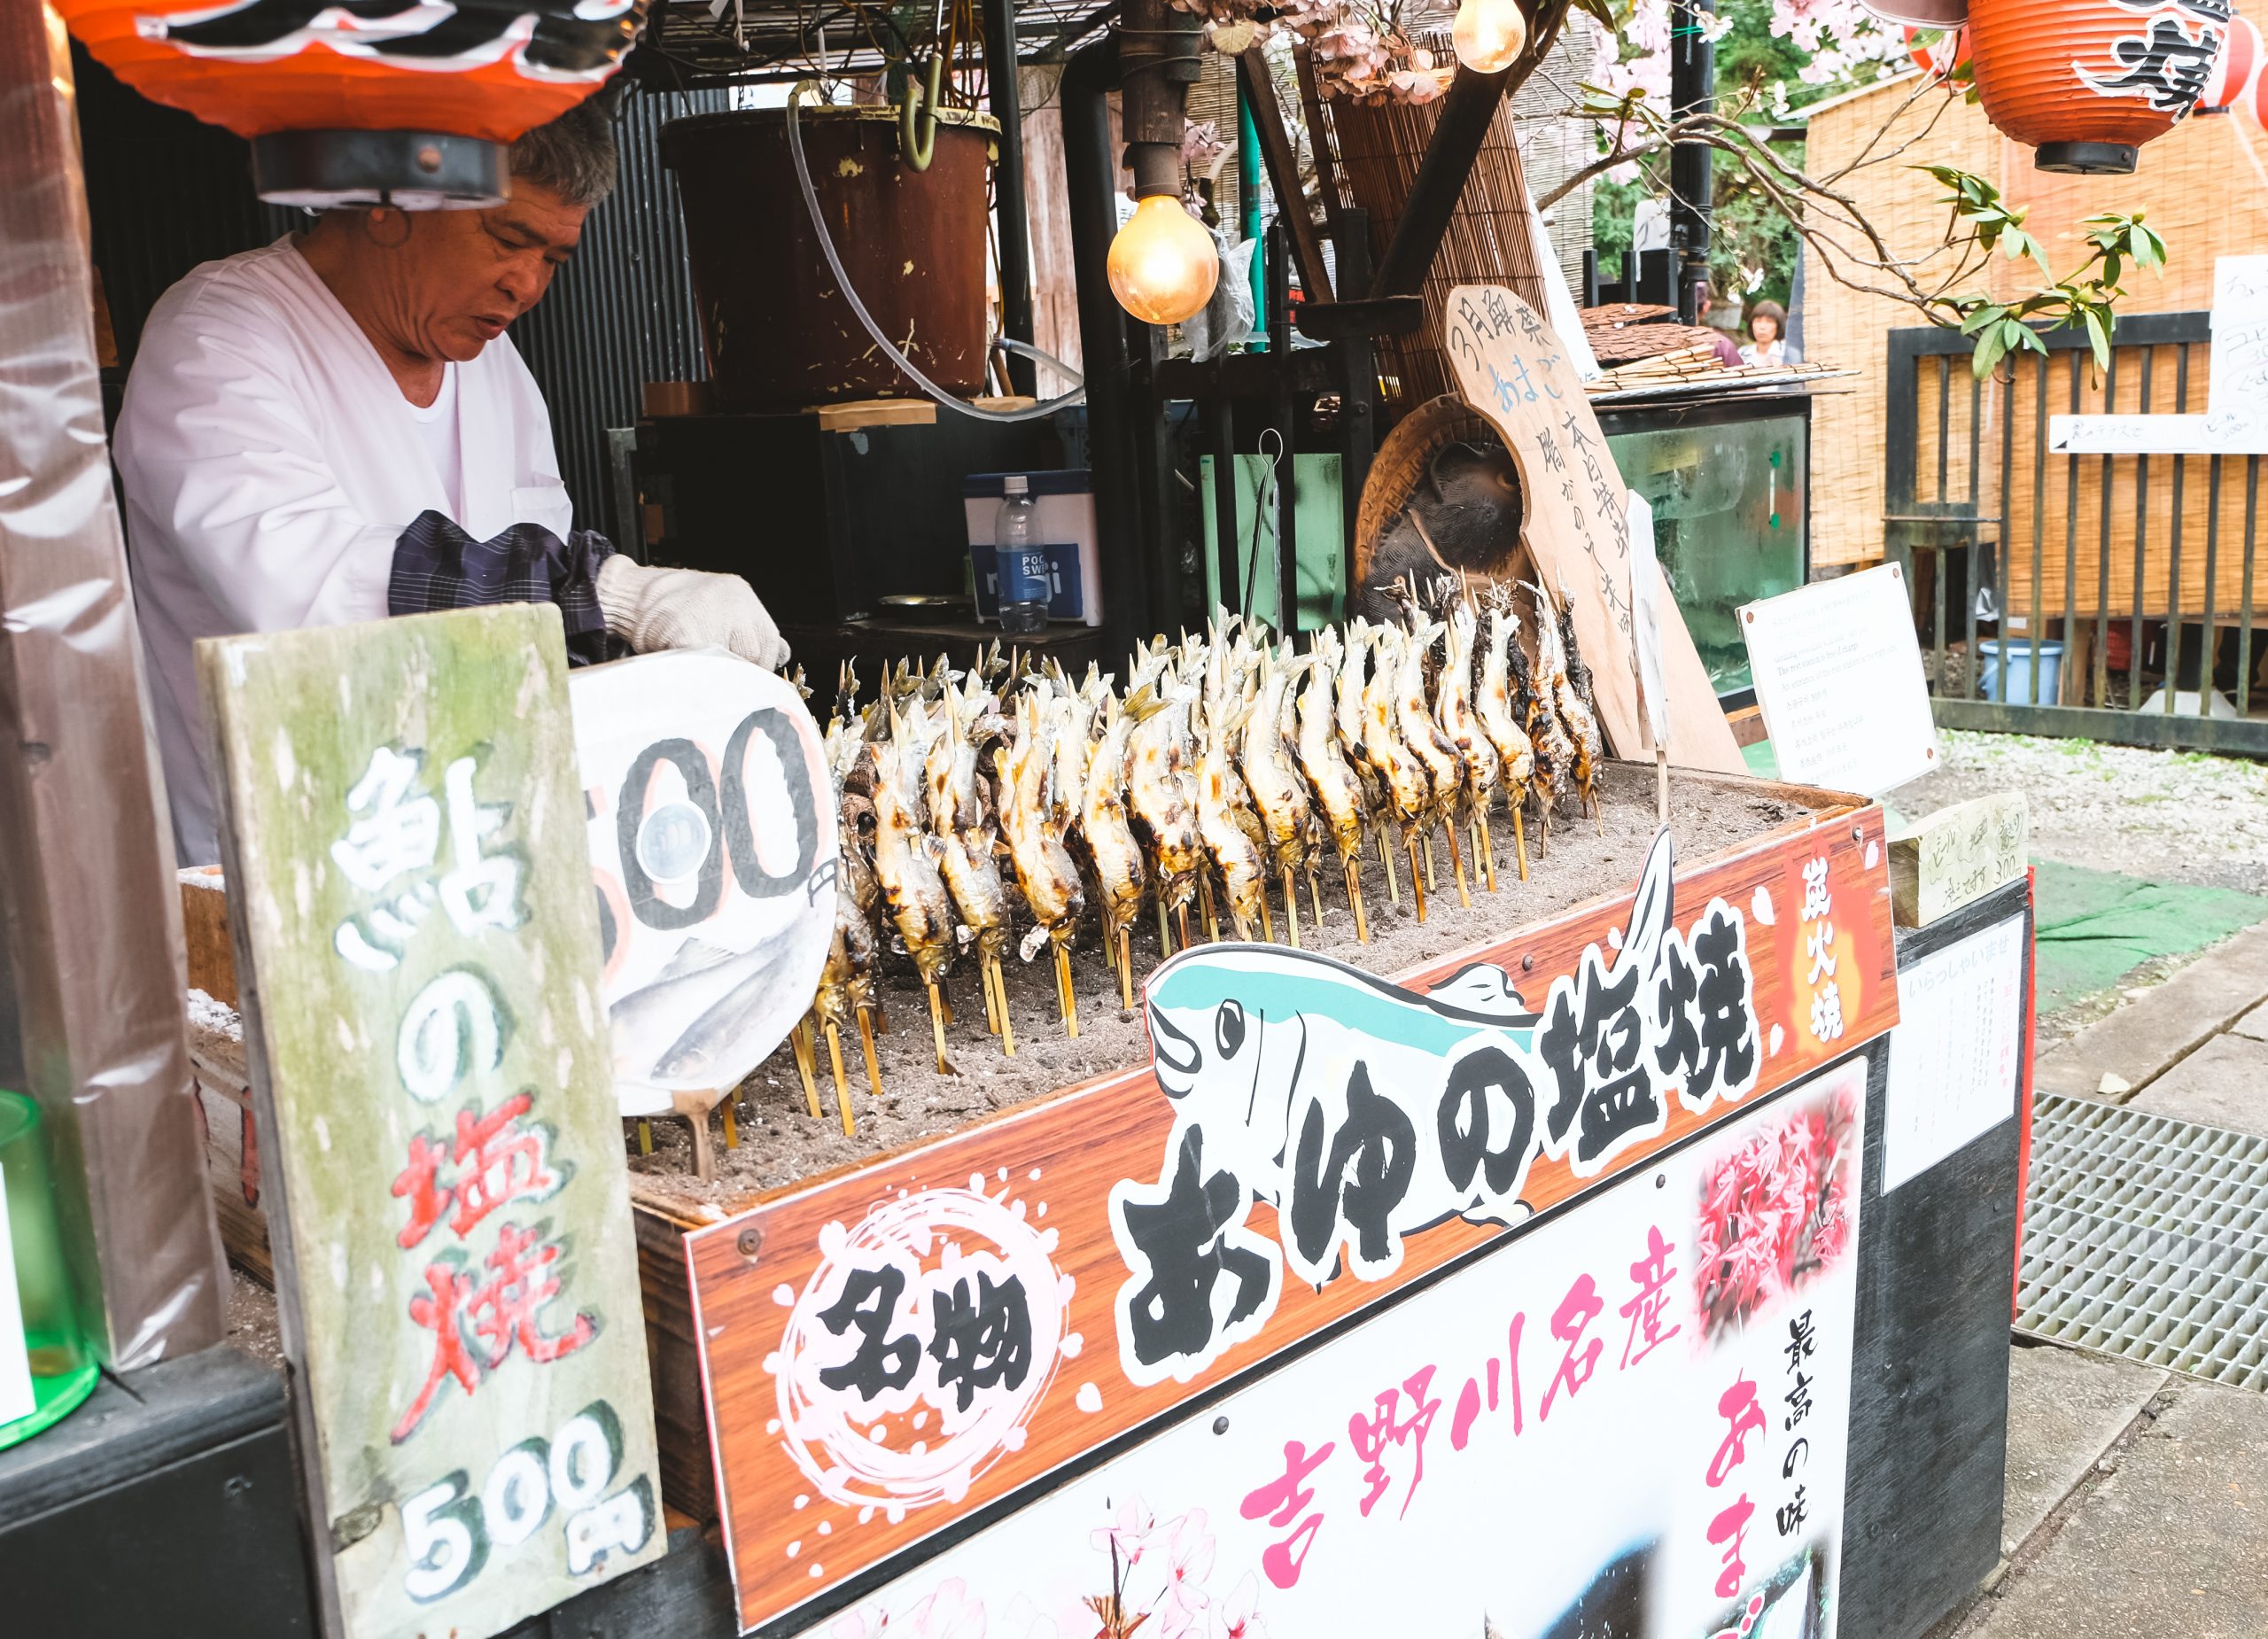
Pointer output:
2177, 816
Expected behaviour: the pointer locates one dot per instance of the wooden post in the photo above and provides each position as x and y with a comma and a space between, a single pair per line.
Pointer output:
87, 870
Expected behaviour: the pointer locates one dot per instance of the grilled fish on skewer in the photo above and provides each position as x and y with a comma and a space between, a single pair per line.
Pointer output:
1110, 840
905, 864
1460, 724
1581, 713
1500, 719
1338, 790
1279, 794
1219, 792
1161, 791
1044, 866
1571, 719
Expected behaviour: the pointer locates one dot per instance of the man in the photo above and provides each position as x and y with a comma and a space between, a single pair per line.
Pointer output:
334, 428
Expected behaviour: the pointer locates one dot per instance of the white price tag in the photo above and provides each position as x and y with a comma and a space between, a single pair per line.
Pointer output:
15, 1359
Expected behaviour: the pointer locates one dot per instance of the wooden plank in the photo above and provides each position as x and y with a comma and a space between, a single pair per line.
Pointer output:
877, 412
1284, 174
1514, 370
1956, 856
1061, 1168
204, 930
417, 944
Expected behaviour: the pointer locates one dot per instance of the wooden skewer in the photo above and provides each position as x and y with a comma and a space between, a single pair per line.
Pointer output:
1519, 842
1314, 896
1416, 878
1205, 900
866, 1046
1126, 967
1386, 859
995, 980
1486, 844
1292, 907
807, 1062
645, 1137
1456, 866
1432, 885
842, 1087
1071, 995
984, 980
1165, 934
1355, 899
1184, 924
936, 1029
731, 1126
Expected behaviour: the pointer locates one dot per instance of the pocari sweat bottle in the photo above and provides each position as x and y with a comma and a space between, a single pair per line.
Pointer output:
1022, 561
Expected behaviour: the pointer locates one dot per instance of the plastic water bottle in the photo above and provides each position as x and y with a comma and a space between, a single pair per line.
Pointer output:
1023, 560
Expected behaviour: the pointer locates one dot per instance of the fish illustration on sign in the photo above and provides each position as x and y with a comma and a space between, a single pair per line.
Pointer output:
1365, 1112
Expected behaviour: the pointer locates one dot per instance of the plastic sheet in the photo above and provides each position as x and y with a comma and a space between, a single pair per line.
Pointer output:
87, 885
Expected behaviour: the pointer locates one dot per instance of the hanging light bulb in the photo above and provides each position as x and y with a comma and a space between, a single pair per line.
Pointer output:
1488, 34
1163, 264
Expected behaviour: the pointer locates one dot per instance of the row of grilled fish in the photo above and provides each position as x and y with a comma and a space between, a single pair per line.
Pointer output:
1224, 761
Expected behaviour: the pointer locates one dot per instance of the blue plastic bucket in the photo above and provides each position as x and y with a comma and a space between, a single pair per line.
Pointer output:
2017, 691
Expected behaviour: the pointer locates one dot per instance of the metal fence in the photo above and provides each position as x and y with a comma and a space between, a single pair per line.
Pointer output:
2108, 597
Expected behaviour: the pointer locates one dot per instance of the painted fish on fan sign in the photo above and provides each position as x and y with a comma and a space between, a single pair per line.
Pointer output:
1365, 1112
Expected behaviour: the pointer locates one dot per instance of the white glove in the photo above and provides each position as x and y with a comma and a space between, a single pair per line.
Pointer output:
652, 609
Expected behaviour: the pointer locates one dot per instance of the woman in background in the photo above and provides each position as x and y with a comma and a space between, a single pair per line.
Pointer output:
1767, 325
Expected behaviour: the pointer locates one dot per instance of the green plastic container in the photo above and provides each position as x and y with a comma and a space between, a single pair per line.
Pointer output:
39, 1335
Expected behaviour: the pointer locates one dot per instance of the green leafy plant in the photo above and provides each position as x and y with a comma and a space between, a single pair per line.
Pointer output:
2084, 297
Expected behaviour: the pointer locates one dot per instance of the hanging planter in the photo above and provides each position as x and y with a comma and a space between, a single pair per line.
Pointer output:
2087, 82
412, 108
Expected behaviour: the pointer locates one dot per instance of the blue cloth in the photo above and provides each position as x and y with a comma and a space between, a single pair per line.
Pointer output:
437, 565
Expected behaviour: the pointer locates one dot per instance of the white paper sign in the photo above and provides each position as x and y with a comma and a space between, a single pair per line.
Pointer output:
2235, 422
15, 1362
1647, 591
1632, 1420
1955, 1052
712, 839
1838, 675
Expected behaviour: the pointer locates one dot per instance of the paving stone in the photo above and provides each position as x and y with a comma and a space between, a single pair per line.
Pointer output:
2140, 1040
2254, 1024
2065, 1406
2175, 1542
2224, 1083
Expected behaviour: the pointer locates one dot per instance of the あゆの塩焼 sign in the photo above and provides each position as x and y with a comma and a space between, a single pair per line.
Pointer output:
417, 954
902, 1351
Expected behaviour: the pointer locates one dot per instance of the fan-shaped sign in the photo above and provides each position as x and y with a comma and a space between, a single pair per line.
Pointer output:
712, 839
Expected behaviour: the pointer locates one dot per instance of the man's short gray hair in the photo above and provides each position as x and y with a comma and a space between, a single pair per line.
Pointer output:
573, 156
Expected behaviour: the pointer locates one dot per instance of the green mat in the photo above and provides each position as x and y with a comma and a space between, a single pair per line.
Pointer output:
2096, 927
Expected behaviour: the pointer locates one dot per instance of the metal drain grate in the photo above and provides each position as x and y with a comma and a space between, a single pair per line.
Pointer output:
2148, 1239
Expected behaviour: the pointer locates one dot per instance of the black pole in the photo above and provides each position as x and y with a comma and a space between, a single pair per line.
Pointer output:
1091, 187
1466, 113
1692, 90
1016, 231
1279, 349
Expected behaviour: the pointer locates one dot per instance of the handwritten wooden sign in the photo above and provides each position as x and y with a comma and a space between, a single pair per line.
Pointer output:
712, 842
902, 1351
1956, 856
1512, 368
416, 953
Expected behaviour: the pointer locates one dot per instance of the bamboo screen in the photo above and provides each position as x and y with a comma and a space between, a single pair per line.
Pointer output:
2204, 187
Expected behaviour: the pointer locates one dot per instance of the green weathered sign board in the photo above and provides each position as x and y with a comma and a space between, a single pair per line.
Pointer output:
417, 946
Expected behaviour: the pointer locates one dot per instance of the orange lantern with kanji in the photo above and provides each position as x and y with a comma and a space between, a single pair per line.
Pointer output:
409, 103
2085, 83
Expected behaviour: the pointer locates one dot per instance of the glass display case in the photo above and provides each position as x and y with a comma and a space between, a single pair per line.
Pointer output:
1730, 483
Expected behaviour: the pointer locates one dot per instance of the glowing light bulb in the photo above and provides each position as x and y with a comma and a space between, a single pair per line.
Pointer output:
1163, 264
1488, 34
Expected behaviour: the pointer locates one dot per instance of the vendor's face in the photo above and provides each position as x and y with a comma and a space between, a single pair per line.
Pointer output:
1767, 329
477, 271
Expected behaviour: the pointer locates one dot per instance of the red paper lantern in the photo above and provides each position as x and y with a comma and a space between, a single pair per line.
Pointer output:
2235, 71
406, 103
2087, 82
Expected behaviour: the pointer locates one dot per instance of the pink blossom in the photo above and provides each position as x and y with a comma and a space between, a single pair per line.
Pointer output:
1130, 1536
1238, 1617
949, 1614
1189, 1561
